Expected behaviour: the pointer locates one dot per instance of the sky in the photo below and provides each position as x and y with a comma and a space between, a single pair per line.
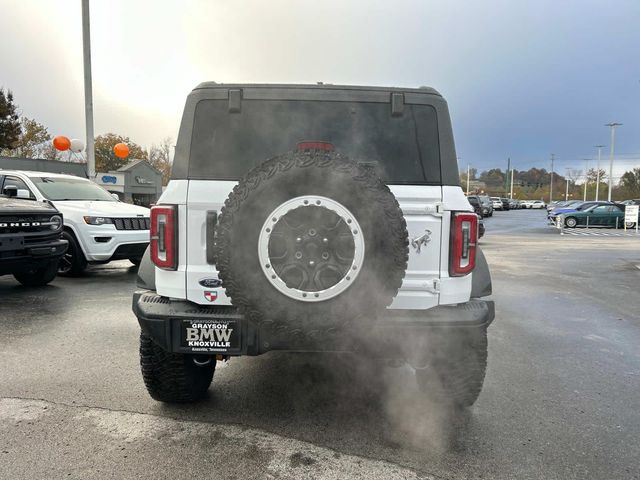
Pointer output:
523, 78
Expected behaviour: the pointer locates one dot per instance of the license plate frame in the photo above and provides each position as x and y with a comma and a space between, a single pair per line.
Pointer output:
210, 336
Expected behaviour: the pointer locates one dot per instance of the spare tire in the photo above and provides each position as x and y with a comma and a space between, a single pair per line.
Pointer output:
309, 239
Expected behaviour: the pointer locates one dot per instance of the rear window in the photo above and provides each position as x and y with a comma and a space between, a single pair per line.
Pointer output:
403, 149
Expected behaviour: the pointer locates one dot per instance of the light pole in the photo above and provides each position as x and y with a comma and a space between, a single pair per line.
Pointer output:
566, 192
613, 126
468, 171
88, 91
551, 184
586, 178
511, 193
599, 147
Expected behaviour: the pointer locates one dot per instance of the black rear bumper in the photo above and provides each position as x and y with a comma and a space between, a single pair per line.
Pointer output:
162, 319
31, 256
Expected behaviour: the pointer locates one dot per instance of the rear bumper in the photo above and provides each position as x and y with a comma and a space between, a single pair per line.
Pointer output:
161, 319
32, 256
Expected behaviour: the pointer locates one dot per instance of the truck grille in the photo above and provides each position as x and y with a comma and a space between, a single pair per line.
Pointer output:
25, 223
133, 223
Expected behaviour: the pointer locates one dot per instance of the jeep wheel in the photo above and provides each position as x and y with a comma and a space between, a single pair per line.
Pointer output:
73, 263
455, 370
173, 377
39, 276
313, 238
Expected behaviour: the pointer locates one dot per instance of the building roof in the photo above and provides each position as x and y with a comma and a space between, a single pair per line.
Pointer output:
132, 164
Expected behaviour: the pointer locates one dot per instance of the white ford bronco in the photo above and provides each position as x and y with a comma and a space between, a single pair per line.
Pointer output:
314, 218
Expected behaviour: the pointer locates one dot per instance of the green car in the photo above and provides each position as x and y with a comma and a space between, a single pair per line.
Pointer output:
597, 216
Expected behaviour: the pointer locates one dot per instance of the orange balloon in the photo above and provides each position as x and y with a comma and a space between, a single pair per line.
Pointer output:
121, 150
61, 143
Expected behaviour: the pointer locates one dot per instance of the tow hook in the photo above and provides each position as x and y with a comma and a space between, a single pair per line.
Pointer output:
202, 360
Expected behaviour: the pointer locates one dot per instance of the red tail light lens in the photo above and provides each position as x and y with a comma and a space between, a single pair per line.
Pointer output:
164, 236
323, 146
464, 240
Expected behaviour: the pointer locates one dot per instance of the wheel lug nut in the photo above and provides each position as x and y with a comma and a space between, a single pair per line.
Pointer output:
298, 255
325, 255
312, 232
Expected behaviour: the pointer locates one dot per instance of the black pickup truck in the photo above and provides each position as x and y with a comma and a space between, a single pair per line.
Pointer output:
30, 240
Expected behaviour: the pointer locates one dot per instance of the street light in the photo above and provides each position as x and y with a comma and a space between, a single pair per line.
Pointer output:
599, 147
586, 177
468, 172
613, 126
551, 181
88, 91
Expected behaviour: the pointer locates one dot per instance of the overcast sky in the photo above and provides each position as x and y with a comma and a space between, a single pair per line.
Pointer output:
523, 78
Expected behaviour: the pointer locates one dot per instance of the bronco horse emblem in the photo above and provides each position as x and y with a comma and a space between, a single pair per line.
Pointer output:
418, 242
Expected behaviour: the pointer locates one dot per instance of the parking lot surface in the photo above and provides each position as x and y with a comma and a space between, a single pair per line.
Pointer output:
560, 399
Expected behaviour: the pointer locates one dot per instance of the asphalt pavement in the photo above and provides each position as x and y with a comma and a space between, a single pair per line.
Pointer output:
561, 397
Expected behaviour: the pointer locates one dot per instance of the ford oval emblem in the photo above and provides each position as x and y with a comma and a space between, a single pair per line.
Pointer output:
210, 282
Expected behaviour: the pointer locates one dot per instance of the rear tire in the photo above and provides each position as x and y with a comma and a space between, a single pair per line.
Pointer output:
73, 263
136, 261
39, 276
456, 368
173, 377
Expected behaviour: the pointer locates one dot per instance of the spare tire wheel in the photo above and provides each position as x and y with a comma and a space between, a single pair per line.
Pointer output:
311, 238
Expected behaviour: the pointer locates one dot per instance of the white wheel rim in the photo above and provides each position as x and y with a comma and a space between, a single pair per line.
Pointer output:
311, 201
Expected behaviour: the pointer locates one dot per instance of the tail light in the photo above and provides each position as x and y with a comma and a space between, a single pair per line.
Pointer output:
464, 240
164, 236
322, 146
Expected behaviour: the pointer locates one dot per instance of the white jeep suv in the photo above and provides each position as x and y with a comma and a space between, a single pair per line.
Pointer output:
98, 227
314, 218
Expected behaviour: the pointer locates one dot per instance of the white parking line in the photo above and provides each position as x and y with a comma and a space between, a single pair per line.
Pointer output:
589, 233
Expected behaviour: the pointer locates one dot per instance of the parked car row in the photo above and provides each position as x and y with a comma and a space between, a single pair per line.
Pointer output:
92, 224
485, 205
576, 213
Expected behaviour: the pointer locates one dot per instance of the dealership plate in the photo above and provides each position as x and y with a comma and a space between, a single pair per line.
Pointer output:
204, 336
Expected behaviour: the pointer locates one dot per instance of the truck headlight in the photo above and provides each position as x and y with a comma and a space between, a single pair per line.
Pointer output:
56, 222
97, 220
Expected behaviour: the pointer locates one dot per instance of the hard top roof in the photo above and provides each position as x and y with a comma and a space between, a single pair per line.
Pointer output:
318, 86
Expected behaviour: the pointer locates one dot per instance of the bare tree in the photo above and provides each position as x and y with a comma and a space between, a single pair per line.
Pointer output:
160, 158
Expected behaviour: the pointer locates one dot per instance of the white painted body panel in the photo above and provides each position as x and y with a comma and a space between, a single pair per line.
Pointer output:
203, 195
419, 206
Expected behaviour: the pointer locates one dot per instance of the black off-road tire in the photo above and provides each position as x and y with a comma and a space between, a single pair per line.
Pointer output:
296, 174
38, 277
457, 364
73, 263
136, 261
173, 377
